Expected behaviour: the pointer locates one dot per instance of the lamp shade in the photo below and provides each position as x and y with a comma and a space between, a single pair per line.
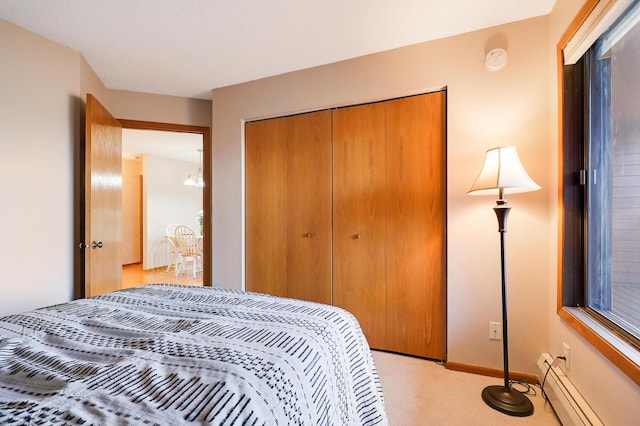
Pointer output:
502, 170
198, 180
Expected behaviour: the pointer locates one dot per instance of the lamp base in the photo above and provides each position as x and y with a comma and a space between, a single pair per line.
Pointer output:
508, 401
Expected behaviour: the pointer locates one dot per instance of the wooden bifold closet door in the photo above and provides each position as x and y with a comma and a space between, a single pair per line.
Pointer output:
416, 226
348, 207
359, 216
389, 196
288, 206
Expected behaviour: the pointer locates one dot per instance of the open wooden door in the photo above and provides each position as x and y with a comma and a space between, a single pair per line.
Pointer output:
103, 200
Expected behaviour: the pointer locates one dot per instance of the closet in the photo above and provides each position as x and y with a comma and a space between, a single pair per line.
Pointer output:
368, 207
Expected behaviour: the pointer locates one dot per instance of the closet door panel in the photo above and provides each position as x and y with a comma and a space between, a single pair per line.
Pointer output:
416, 206
266, 207
359, 216
309, 233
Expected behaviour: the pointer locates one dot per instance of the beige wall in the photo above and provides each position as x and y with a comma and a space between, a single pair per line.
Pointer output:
43, 87
485, 109
159, 108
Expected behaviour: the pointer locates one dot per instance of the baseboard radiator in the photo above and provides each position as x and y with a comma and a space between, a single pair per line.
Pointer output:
565, 399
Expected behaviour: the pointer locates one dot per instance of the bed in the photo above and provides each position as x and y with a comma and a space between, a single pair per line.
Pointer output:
166, 354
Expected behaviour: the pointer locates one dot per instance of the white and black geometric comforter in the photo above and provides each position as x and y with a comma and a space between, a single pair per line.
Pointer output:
169, 355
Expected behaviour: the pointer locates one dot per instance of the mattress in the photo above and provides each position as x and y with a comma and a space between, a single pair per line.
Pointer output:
166, 354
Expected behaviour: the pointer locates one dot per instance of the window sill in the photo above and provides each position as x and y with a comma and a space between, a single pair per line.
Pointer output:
619, 352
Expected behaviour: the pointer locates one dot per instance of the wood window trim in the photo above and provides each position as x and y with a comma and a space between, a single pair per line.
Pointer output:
604, 346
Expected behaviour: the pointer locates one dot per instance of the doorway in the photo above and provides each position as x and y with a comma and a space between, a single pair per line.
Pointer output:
196, 160
162, 185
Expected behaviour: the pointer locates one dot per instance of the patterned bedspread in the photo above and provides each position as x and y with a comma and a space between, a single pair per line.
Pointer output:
168, 355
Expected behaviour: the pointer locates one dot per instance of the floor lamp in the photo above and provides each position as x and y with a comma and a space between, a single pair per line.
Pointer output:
502, 173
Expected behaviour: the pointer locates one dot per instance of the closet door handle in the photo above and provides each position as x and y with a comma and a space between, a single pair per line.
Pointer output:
357, 237
308, 235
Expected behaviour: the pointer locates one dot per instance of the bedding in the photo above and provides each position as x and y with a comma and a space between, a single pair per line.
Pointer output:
165, 354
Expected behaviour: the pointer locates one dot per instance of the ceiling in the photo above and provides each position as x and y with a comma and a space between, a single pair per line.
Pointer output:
176, 145
188, 48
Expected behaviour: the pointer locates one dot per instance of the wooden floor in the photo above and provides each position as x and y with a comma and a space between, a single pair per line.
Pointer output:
134, 276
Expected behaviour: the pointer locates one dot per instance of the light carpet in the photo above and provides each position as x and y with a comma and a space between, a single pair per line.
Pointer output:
422, 392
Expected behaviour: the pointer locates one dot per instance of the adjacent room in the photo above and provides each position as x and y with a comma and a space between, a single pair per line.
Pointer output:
162, 181
281, 212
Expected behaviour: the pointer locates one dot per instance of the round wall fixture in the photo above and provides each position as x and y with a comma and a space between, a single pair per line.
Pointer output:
496, 59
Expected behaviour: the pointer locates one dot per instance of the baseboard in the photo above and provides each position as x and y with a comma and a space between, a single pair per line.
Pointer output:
491, 372
570, 407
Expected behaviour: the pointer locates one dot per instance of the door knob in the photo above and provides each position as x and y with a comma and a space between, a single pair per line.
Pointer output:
308, 235
96, 244
357, 237
83, 245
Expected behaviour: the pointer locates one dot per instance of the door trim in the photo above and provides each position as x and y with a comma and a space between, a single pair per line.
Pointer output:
206, 166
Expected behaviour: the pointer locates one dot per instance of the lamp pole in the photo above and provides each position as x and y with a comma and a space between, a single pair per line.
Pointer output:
502, 213
503, 398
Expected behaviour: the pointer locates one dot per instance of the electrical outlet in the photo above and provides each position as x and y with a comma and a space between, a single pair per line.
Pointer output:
566, 351
495, 331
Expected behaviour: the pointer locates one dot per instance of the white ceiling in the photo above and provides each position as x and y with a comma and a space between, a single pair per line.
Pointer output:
176, 145
187, 48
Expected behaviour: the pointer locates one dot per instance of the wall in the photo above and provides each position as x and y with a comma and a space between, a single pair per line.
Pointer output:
613, 396
44, 86
166, 200
159, 108
485, 109
42, 123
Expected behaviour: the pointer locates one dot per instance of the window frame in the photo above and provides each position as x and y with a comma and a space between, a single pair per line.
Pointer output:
572, 229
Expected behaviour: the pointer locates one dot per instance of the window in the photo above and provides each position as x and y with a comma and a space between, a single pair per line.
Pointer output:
601, 162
